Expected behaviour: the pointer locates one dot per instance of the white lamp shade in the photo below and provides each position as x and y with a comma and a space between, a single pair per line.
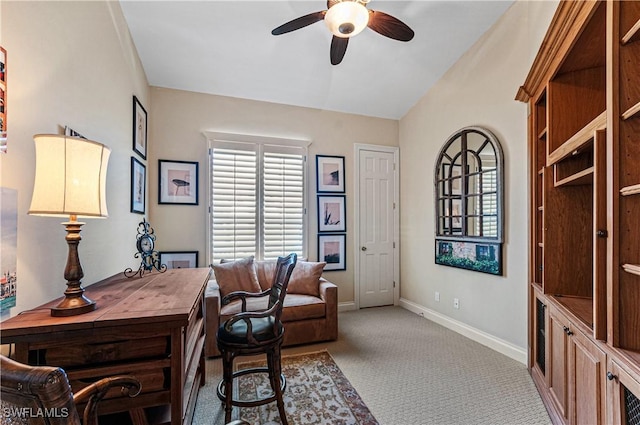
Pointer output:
71, 177
347, 18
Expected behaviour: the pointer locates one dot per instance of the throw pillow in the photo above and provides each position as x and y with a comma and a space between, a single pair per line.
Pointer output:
239, 275
266, 270
305, 278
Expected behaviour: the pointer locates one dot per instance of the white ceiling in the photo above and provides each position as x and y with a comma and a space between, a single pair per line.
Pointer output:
226, 48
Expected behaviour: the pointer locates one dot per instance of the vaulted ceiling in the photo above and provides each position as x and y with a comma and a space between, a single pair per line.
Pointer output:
226, 48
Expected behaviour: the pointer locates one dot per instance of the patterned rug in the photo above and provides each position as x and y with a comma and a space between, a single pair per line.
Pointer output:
317, 393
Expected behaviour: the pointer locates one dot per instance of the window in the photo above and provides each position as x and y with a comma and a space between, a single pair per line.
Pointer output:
257, 197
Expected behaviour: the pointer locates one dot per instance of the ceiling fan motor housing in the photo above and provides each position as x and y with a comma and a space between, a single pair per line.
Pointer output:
347, 18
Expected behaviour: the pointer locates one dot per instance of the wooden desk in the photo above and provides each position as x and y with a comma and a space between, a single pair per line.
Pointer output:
150, 327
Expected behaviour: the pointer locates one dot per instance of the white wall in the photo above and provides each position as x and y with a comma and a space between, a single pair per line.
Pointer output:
178, 119
69, 63
478, 90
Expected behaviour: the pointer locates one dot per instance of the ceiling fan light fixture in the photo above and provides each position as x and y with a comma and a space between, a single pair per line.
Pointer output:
347, 18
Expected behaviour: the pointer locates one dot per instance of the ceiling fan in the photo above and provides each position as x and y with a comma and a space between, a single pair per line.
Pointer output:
346, 18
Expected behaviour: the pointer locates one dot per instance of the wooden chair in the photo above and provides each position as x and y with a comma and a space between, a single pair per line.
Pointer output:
41, 395
250, 333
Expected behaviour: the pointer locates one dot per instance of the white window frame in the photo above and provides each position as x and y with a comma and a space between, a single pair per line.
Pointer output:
220, 138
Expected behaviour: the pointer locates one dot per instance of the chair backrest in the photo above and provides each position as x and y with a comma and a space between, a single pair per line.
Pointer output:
35, 395
284, 268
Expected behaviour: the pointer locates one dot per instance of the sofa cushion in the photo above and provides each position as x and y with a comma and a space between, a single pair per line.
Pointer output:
239, 275
265, 270
305, 279
296, 307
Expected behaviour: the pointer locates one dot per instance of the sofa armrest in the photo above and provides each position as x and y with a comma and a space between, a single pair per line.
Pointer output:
329, 294
212, 302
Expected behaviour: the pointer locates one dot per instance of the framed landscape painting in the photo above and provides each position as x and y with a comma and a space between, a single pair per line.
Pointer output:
329, 174
332, 250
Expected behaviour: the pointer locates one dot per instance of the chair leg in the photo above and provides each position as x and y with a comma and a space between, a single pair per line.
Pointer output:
276, 369
227, 376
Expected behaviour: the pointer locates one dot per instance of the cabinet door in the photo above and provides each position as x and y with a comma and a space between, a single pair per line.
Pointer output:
588, 383
558, 371
623, 394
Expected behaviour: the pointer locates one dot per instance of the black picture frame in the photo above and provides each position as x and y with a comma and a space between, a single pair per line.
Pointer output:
332, 249
332, 213
138, 186
330, 174
179, 259
178, 182
139, 128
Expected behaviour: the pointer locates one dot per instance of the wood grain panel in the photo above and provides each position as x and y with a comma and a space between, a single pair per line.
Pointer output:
576, 99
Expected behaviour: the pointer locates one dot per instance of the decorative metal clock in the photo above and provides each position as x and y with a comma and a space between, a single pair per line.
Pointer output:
145, 241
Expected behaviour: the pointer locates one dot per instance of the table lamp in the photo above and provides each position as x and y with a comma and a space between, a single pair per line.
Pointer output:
71, 175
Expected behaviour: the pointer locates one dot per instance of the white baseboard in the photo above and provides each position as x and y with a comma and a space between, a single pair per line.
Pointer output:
346, 306
497, 344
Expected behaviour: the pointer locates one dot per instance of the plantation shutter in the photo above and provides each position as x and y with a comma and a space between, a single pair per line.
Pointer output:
234, 198
283, 204
257, 201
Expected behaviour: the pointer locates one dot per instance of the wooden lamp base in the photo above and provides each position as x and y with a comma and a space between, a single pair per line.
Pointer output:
74, 301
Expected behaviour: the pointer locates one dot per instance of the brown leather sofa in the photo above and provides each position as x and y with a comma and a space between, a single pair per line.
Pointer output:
306, 318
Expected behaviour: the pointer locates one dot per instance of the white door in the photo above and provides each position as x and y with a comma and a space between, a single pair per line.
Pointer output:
377, 223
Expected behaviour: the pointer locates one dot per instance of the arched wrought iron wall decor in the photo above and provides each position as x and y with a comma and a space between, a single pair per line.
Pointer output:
468, 183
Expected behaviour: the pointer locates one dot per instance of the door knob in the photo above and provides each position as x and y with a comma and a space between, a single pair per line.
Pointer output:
364, 248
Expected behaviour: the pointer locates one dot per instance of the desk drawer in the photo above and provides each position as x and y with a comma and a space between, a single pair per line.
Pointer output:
97, 353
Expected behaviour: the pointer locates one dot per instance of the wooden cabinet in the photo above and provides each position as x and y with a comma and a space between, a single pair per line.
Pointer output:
583, 93
151, 327
577, 372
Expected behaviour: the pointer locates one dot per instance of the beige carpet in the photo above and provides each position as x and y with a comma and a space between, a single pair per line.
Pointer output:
408, 370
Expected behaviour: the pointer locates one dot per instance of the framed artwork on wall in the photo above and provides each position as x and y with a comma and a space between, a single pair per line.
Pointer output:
138, 186
332, 215
3, 100
329, 174
179, 259
485, 257
139, 128
178, 182
332, 250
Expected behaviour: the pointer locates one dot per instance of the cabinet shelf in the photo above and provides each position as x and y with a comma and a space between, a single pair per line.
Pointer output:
583, 177
633, 34
632, 268
543, 135
630, 190
631, 112
578, 140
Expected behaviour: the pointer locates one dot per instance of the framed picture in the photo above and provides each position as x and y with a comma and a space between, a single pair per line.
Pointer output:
331, 249
482, 257
138, 186
332, 215
179, 259
139, 128
178, 182
329, 174
3, 100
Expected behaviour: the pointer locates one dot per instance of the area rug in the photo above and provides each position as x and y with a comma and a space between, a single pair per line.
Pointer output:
317, 393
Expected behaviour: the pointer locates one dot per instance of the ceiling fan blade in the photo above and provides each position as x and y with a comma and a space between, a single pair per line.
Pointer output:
338, 49
389, 26
300, 22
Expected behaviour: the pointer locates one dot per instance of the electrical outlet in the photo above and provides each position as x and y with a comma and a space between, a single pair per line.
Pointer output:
456, 303
437, 296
